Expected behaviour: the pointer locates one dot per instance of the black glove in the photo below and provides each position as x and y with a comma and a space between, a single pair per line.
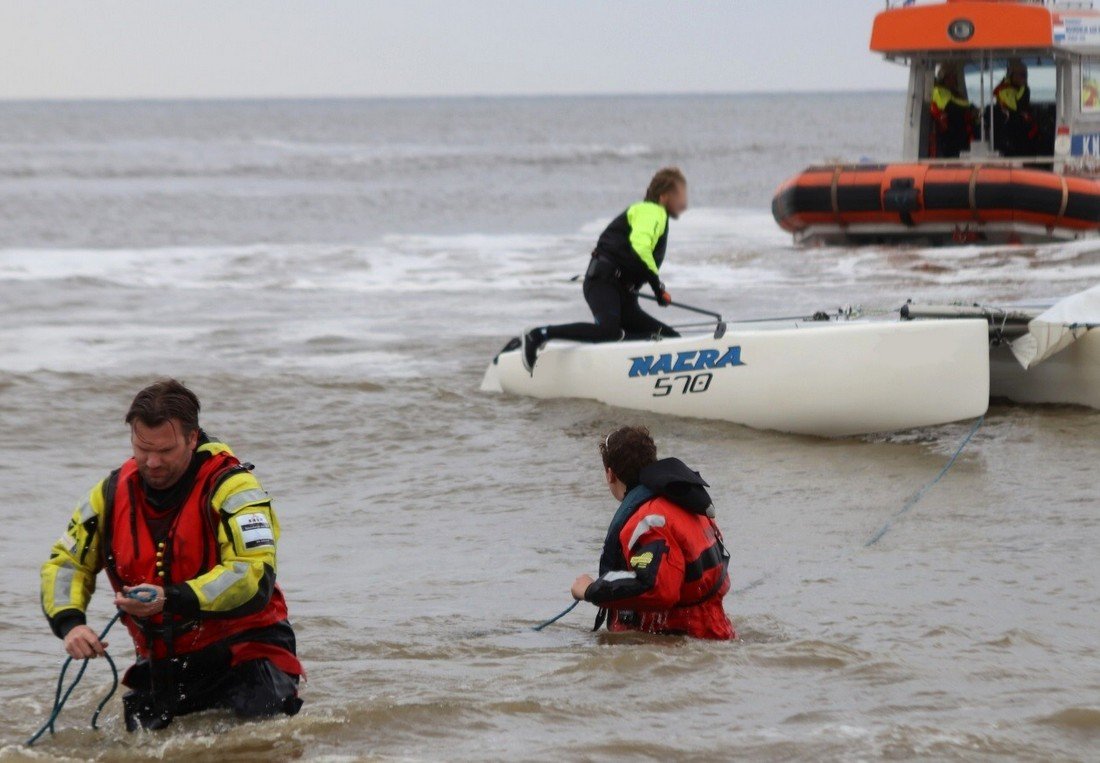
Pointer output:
664, 299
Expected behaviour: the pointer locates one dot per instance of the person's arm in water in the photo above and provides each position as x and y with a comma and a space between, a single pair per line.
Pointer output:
242, 583
68, 578
653, 581
648, 223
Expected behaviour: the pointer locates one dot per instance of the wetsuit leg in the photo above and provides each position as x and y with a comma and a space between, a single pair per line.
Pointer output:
252, 689
257, 689
141, 711
161, 691
604, 298
638, 324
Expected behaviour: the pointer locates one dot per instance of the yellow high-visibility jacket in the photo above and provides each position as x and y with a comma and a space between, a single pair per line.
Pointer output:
240, 583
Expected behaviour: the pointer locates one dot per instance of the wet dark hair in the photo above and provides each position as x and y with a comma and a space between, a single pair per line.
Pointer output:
666, 180
627, 451
164, 401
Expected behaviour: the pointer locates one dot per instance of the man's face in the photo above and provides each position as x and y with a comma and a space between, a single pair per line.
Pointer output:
1019, 77
162, 452
675, 202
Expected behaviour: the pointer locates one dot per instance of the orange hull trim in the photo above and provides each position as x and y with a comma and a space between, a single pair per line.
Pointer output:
906, 199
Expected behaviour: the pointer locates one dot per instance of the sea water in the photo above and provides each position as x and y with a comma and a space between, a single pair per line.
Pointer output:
332, 277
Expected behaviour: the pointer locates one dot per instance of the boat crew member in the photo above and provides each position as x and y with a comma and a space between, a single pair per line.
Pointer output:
952, 115
186, 523
1016, 131
664, 567
628, 255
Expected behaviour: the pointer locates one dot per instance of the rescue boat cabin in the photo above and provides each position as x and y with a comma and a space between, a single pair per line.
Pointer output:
1001, 137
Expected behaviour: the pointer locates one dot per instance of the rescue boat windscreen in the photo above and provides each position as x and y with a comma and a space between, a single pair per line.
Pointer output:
1000, 106
1042, 78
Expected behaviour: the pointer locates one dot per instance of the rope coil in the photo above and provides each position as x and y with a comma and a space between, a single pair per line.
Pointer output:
145, 595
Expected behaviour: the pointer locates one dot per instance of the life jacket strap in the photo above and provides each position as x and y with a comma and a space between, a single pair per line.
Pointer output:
165, 630
714, 589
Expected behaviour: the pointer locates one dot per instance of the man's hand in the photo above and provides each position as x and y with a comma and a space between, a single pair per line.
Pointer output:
82, 643
138, 608
580, 585
664, 299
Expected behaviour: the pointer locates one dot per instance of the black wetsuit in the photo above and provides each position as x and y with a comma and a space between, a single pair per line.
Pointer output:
207, 680
1015, 132
615, 274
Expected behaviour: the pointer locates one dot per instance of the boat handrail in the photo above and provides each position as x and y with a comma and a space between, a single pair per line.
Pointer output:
996, 161
1084, 5
916, 310
1069, 169
987, 161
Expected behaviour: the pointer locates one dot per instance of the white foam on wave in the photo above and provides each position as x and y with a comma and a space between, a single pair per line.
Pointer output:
148, 308
392, 152
89, 346
709, 248
745, 225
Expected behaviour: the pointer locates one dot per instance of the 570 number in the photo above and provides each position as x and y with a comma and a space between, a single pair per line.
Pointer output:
687, 384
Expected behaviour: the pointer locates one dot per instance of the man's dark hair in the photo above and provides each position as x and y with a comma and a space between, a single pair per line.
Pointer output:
163, 401
627, 451
666, 180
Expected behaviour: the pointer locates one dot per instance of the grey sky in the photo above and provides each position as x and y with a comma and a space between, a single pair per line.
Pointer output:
197, 48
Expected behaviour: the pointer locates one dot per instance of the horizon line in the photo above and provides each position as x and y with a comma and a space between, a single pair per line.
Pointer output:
4, 99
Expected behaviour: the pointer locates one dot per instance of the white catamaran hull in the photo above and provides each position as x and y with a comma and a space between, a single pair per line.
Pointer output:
823, 379
1072, 376
1039, 353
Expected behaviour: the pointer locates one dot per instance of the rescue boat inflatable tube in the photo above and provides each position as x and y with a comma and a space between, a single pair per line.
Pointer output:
915, 200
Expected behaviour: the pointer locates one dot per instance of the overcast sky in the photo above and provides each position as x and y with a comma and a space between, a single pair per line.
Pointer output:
258, 48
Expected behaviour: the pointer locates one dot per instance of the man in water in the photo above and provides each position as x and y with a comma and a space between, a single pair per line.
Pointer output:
628, 254
664, 567
187, 537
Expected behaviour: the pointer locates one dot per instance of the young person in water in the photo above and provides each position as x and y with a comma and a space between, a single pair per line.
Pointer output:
627, 256
664, 568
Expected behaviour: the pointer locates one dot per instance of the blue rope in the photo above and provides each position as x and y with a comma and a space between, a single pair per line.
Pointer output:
59, 699
558, 616
920, 493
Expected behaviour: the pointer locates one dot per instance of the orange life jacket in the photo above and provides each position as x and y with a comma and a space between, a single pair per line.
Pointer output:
699, 552
133, 557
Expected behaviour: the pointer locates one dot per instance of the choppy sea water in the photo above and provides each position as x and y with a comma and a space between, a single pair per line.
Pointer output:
332, 279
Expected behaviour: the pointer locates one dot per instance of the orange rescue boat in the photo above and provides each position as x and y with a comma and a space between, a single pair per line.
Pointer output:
1021, 163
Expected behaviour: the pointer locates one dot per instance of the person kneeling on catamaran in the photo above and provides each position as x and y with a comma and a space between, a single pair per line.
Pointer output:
628, 254
186, 523
664, 567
